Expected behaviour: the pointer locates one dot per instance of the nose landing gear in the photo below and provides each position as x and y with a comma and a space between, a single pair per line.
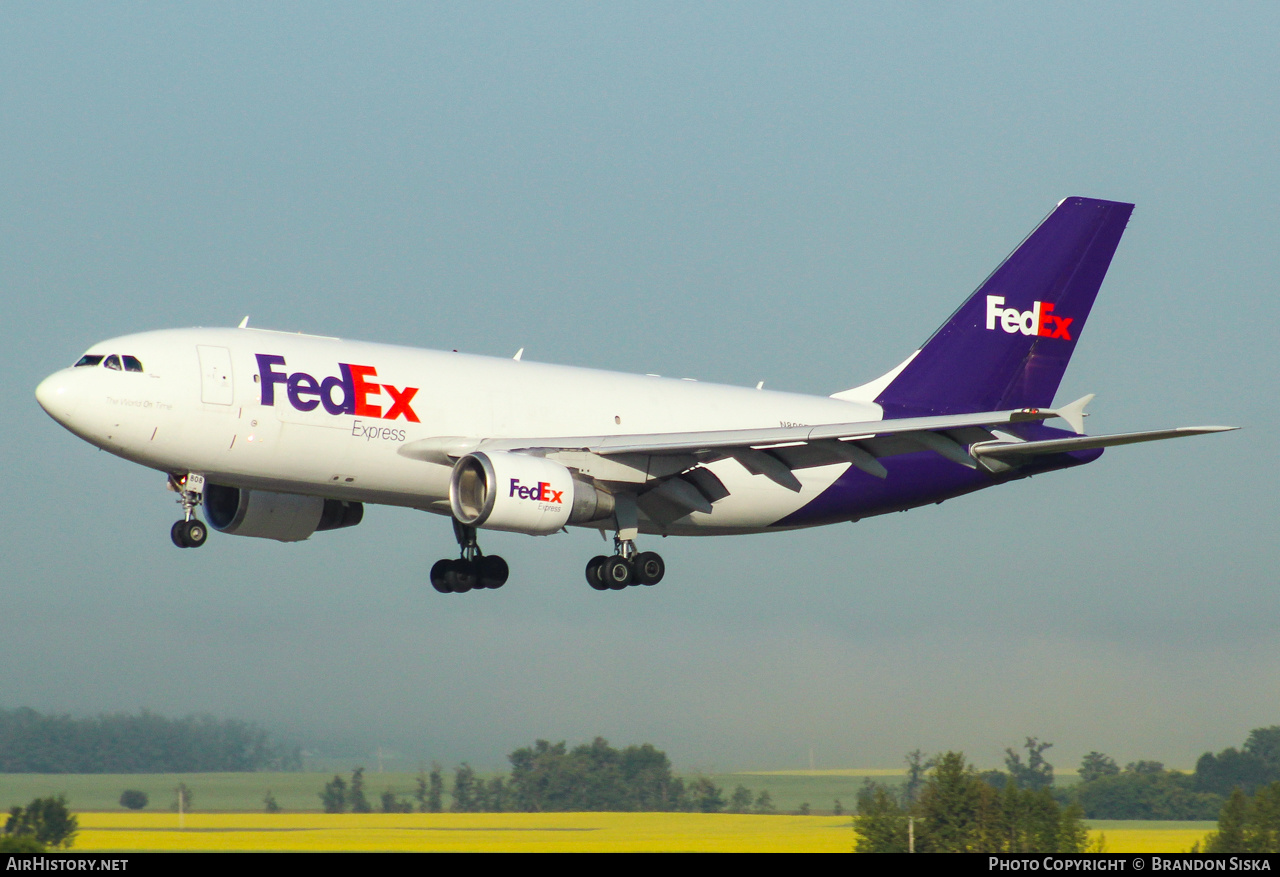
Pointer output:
474, 570
190, 532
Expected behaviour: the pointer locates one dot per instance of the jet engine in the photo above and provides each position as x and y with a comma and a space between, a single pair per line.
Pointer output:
286, 517
522, 494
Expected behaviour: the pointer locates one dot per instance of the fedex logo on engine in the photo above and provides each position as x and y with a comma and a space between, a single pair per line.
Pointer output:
540, 492
305, 392
1040, 320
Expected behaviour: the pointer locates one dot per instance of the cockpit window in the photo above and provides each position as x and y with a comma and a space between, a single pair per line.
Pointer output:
131, 363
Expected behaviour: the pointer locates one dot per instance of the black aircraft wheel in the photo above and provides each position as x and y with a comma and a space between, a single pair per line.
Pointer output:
462, 576
195, 533
649, 568
616, 572
176, 534
492, 571
594, 567
440, 576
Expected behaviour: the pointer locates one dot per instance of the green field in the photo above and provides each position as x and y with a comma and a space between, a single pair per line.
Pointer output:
244, 792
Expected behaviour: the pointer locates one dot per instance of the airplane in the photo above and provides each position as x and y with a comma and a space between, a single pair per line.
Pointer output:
281, 435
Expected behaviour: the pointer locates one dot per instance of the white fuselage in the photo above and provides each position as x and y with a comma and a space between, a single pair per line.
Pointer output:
197, 405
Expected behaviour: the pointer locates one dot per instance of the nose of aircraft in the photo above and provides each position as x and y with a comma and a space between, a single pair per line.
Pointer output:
56, 397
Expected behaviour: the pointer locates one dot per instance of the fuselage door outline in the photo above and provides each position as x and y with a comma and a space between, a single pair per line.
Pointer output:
216, 386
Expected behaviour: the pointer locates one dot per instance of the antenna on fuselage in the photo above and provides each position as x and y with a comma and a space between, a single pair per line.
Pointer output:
519, 353
244, 324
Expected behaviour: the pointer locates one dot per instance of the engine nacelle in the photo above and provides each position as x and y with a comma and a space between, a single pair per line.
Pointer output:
285, 517
522, 494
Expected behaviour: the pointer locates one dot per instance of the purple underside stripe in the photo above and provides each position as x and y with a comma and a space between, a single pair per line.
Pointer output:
914, 480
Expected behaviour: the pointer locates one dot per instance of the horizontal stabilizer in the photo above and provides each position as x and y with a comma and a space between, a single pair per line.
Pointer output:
1074, 414
1084, 443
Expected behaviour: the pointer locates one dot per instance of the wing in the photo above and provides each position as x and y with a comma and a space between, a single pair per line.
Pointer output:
807, 445
667, 471
775, 452
1014, 450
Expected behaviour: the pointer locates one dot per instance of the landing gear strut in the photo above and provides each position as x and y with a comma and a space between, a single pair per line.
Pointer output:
625, 567
473, 570
190, 532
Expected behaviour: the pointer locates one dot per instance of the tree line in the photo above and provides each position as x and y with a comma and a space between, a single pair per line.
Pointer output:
1141, 789
947, 805
144, 743
551, 777
45, 823
1146, 790
1248, 823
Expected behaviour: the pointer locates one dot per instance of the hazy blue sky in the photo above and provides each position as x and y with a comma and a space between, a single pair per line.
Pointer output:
795, 193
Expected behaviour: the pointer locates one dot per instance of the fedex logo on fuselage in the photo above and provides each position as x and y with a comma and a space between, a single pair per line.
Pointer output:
1040, 320
540, 492
305, 392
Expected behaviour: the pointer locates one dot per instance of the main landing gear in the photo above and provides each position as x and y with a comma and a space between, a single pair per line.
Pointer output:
625, 567
474, 570
190, 532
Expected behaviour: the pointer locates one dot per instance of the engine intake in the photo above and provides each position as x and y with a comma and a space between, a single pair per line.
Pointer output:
522, 494
286, 517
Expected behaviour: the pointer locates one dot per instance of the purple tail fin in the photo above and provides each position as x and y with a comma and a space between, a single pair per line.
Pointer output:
1009, 343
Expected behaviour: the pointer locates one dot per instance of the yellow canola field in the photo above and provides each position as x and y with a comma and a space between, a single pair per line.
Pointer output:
464, 832
1150, 840
514, 832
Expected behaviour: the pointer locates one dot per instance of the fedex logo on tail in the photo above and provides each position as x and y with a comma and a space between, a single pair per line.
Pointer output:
1040, 320
306, 393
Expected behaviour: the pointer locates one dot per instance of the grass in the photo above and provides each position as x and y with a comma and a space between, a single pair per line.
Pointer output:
301, 791
211, 791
